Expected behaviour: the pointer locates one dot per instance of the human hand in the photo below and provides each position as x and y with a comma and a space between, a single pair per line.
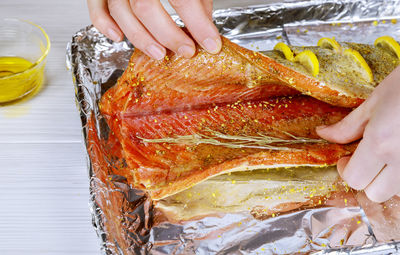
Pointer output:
375, 165
149, 28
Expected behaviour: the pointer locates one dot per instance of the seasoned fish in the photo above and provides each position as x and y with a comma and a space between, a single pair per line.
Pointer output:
236, 73
175, 84
169, 152
182, 121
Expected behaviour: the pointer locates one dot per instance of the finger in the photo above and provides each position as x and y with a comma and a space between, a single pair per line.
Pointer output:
99, 15
385, 185
200, 26
208, 7
362, 167
121, 12
347, 130
157, 21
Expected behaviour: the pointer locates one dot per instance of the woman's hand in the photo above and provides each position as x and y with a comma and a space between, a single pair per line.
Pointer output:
375, 165
149, 28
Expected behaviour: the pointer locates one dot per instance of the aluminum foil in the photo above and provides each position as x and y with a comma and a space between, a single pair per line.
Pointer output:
126, 220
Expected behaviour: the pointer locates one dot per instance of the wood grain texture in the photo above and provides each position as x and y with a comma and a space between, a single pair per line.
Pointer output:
44, 189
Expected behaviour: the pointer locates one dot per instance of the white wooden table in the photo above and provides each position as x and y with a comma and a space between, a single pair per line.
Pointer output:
44, 189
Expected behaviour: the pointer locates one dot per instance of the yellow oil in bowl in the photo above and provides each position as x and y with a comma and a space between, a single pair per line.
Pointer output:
18, 77
13, 65
23, 52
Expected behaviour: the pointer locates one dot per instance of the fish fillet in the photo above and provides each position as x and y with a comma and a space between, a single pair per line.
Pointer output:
175, 83
182, 121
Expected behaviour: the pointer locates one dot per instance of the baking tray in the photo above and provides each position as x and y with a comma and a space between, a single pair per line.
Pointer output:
125, 218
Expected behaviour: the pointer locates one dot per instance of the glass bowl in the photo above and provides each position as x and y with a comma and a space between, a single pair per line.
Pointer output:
23, 50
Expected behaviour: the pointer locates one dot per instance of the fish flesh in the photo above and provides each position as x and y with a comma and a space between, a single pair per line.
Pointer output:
169, 152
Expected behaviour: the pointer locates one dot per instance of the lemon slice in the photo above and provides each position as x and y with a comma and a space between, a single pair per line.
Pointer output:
329, 43
388, 43
308, 59
286, 51
364, 67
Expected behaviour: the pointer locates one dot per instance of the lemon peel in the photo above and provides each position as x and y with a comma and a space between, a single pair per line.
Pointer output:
365, 69
285, 50
329, 43
388, 43
309, 60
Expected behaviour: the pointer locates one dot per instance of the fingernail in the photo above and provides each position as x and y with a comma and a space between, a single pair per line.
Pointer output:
155, 51
186, 51
113, 35
341, 164
321, 127
211, 45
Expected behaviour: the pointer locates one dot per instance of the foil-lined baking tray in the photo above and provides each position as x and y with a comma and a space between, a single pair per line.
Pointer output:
126, 220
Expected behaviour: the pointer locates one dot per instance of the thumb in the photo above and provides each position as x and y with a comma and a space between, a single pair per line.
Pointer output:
349, 129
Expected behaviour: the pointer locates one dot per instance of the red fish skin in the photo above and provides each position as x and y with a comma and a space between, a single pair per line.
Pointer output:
149, 101
175, 83
151, 86
169, 166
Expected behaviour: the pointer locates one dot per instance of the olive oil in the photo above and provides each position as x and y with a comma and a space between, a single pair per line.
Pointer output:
18, 77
